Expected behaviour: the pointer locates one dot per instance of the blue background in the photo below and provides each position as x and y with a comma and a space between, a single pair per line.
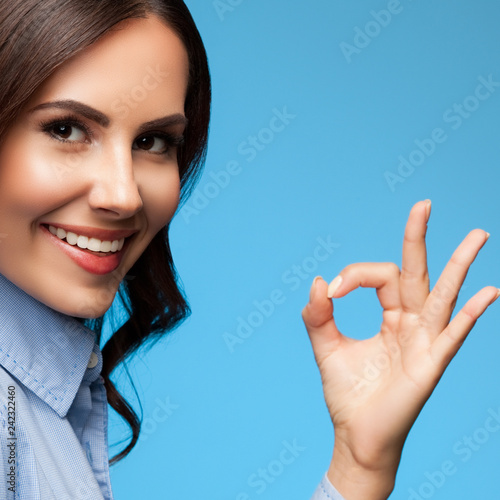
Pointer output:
329, 173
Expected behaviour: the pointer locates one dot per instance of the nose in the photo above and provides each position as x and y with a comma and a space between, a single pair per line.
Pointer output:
115, 191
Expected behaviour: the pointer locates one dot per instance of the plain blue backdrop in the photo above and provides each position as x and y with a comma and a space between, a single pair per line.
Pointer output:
330, 120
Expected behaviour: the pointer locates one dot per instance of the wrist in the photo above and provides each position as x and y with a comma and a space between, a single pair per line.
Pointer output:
357, 479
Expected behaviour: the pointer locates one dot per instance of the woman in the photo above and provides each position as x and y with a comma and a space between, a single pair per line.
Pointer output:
101, 135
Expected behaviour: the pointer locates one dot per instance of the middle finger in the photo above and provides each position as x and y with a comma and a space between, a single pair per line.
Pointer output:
414, 287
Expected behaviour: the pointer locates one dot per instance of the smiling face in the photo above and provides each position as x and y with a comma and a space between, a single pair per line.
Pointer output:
88, 172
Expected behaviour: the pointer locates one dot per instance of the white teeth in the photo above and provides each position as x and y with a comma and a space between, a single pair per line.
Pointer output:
94, 245
71, 238
85, 242
106, 246
82, 241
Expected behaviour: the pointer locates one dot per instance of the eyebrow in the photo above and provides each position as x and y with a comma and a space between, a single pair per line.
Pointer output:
103, 120
77, 107
162, 123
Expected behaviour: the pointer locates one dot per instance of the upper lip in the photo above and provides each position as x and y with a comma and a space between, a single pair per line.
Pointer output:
95, 232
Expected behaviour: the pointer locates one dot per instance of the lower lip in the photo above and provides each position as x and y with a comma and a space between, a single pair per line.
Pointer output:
95, 264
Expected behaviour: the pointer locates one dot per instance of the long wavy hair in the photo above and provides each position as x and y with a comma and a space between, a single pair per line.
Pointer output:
36, 37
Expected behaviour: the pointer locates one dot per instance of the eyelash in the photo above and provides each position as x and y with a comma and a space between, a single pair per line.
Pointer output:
171, 141
69, 121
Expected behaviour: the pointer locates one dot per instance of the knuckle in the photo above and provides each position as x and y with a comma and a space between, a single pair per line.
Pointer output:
408, 274
469, 313
409, 238
349, 269
393, 269
459, 260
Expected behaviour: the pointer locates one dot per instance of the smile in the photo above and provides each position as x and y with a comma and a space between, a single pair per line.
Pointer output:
84, 242
97, 251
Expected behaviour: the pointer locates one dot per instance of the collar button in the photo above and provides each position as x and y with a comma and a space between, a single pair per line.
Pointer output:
93, 360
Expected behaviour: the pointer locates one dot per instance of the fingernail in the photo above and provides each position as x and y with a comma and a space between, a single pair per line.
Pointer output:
487, 235
428, 208
498, 293
334, 286
313, 287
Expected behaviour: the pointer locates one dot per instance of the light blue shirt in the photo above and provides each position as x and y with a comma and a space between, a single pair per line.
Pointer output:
53, 406
326, 491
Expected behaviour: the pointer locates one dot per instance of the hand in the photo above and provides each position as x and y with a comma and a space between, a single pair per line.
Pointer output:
375, 388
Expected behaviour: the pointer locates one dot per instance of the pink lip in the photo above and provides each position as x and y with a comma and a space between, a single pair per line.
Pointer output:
91, 262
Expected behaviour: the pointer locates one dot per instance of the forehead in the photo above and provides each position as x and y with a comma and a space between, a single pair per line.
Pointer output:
139, 60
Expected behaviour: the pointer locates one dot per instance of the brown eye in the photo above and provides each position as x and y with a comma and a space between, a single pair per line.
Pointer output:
146, 143
66, 131
152, 144
63, 131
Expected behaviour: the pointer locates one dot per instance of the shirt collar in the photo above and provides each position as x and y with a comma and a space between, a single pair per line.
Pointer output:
45, 350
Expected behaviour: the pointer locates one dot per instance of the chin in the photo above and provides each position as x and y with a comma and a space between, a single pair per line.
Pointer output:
92, 307
81, 303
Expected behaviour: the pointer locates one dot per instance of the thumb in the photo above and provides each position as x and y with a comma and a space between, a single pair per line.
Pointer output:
318, 319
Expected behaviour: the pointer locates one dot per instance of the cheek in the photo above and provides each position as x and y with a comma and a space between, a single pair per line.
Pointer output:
29, 181
160, 194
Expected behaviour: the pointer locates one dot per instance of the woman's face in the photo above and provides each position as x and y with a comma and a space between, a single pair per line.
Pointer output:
88, 173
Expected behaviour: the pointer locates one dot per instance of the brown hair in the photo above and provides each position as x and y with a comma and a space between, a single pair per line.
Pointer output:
38, 36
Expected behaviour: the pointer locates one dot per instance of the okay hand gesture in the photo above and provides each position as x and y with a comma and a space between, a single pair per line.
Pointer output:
373, 410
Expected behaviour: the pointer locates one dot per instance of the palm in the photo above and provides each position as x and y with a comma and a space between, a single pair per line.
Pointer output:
375, 388
374, 392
